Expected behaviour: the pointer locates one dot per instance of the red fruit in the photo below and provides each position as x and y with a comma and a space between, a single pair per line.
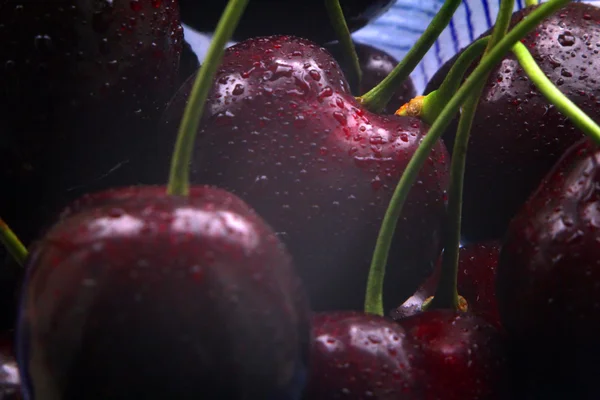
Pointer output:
360, 356
476, 283
517, 135
433, 355
136, 294
282, 131
549, 277
463, 357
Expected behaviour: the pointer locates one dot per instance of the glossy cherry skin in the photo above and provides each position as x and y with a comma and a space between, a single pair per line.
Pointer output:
135, 294
360, 356
375, 65
463, 356
517, 136
307, 18
82, 83
476, 283
430, 356
10, 381
281, 130
548, 277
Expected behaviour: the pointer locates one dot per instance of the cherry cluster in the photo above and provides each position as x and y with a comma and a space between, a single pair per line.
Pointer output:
306, 244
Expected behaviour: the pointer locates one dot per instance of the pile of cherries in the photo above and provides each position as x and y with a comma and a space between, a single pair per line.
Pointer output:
244, 277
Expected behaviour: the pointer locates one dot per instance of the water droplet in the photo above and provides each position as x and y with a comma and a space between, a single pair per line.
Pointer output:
566, 73
238, 89
135, 5
340, 117
566, 39
315, 74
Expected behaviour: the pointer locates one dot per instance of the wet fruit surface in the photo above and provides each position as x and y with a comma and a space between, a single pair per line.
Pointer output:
433, 355
82, 84
196, 293
282, 131
463, 357
476, 283
517, 136
549, 279
360, 356
203, 16
375, 65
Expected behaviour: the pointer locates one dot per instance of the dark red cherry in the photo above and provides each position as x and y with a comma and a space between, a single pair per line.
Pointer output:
307, 18
282, 131
517, 135
476, 283
375, 65
360, 356
82, 85
430, 356
463, 356
548, 283
136, 294
10, 381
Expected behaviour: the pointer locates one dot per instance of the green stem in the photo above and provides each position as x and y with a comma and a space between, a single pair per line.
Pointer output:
12, 243
446, 294
373, 300
432, 104
179, 176
377, 98
530, 3
580, 119
338, 22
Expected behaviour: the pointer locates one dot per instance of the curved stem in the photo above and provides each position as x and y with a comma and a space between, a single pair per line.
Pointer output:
428, 108
580, 119
338, 22
12, 243
446, 294
376, 99
179, 176
373, 300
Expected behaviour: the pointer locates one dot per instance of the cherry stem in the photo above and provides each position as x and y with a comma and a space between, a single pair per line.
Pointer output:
12, 243
580, 119
377, 98
338, 22
373, 300
530, 3
446, 294
428, 108
179, 176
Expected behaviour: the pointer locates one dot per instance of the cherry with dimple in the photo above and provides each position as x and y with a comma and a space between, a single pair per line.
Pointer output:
351, 185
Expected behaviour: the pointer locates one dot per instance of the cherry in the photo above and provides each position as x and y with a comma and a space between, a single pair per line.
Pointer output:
476, 283
359, 356
281, 130
136, 294
307, 18
375, 65
438, 354
517, 135
82, 85
463, 355
548, 278
10, 382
